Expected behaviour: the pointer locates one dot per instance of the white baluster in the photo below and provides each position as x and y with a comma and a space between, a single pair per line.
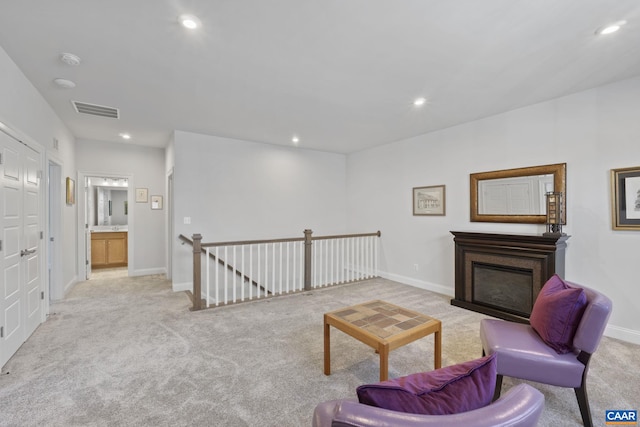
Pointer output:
273, 269
320, 262
217, 274
235, 275
242, 271
208, 280
266, 269
226, 276
287, 270
293, 272
369, 257
259, 269
280, 275
375, 256
250, 272
301, 265
361, 258
332, 268
326, 258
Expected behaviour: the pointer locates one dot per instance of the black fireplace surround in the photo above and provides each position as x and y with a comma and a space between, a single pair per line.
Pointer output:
501, 274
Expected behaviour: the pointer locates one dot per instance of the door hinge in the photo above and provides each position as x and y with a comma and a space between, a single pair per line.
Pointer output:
41, 235
42, 295
0, 158
86, 262
1, 331
0, 245
39, 174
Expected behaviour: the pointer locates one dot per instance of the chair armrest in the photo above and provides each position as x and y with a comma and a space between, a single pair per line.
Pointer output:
521, 406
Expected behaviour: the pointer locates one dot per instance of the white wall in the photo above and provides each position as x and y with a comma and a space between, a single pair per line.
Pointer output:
25, 110
592, 131
146, 165
237, 190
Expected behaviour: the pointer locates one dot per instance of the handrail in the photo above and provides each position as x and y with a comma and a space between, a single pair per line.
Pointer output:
284, 240
347, 236
252, 242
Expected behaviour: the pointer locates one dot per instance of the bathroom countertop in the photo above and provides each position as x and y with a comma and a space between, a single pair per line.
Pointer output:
109, 229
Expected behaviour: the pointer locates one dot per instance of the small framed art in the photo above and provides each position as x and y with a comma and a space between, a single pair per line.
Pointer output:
156, 202
625, 198
142, 195
429, 200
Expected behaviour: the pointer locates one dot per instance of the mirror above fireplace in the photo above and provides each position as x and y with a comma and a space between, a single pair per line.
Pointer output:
515, 195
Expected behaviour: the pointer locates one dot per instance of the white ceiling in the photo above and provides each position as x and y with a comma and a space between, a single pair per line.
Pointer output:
340, 74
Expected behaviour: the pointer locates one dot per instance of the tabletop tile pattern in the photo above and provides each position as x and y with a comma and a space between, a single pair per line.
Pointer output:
382, 319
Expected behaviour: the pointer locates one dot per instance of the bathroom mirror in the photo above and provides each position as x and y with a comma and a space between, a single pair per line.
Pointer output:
107, 201
515, 195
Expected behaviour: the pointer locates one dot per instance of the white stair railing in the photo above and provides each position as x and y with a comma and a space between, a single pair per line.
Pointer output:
247, 270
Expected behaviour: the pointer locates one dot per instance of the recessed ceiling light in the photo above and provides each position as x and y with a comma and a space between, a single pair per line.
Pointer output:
125, 136
295, 139
611, 28
70, 59
64, 83
419, 101
189, 21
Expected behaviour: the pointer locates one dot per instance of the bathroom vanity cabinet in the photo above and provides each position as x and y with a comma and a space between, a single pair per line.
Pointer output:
108, 249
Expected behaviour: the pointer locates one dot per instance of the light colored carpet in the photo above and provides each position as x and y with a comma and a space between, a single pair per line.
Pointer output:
122, 351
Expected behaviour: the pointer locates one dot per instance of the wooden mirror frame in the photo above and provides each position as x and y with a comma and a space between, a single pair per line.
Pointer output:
559, 171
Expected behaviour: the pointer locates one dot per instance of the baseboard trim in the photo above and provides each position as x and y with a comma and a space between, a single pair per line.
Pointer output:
69, 286
428, 286
184, 286
148, 272
623, 334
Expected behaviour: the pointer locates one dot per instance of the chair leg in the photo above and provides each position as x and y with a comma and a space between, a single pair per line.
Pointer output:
583, 403
496, 393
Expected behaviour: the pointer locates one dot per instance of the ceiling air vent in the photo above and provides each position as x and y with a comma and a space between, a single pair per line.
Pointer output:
96, 110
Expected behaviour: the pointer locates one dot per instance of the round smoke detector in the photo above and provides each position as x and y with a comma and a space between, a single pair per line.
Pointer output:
64, 83
70, 59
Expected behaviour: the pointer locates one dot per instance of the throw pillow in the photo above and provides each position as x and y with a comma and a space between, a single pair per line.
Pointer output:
557, 312
451, 390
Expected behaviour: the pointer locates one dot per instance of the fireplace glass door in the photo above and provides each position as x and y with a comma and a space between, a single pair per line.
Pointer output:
507, 288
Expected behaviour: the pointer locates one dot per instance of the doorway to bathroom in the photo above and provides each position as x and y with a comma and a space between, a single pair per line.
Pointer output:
106, 223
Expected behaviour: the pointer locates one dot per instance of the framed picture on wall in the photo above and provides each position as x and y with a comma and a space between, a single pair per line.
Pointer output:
142, 195
429, 200
71, 191
156, 202
625, 198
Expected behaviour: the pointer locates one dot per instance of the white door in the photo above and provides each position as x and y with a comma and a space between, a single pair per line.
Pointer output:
20, 254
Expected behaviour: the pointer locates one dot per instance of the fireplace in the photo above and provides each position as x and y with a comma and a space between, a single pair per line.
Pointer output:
502, 274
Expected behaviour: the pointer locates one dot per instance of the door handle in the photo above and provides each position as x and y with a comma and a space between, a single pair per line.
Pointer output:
27, 252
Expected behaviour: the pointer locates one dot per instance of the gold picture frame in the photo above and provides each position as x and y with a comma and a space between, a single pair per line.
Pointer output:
625, 198
71, 191
429, 200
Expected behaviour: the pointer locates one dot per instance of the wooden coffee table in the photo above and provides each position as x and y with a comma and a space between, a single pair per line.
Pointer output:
384, 327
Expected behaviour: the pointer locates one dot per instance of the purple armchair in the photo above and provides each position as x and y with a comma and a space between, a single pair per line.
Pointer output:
523, 354
521, 406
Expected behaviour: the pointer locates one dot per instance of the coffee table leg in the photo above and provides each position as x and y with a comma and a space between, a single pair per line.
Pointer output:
327, 349
437, 357
384, 362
